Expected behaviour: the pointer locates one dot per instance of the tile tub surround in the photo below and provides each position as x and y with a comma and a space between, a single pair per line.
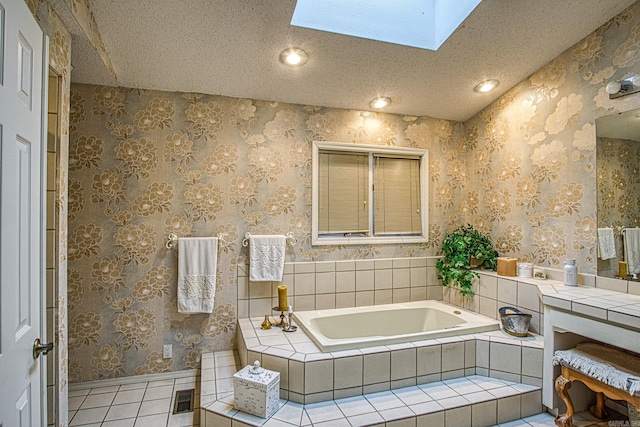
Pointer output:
337, 284
308, 376
475, 400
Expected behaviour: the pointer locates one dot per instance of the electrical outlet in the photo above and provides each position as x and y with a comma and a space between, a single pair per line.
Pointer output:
166, 351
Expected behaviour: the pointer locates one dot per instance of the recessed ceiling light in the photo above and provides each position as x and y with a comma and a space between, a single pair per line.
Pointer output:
486, 86
293, 57
380, 102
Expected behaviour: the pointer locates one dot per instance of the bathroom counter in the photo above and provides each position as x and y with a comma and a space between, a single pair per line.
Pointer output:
575, 313
614, 307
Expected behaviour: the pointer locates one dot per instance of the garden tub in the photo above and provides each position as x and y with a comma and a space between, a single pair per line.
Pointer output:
357, 327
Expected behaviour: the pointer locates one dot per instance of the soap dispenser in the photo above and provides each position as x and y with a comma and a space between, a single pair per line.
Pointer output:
570, 272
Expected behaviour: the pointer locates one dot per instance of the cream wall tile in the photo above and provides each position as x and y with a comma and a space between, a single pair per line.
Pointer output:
380, 264
305, 283
383, 279
365, 298
345, 281
326, 282
418, 276
508, 409
488, 307
435, 292
365, 264
488, 286
418, 294
507, 292
432, 277
304, 267
470, 354
528, 296
484, 414
401, 263
418, 262
431, 420
304, 302
482, 353
345, 265
458, 416
259, 290
345, 299
532, 362
318, 376
452, 356
401, 295
401, 278
364, 280
530, 403
403, 364
383, 297
505, 358
296, 376
612, 284
377, 368
325, 301
259, 307
429, 359
325, 266
348, 372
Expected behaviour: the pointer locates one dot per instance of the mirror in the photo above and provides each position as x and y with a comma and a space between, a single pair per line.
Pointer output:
618, 191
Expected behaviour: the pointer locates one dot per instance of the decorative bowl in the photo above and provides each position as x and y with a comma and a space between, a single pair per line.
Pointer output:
514, 321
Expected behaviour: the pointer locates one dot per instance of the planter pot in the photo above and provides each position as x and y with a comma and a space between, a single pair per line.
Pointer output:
475, 262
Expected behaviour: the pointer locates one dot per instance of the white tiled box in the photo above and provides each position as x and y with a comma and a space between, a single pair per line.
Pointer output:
256, 390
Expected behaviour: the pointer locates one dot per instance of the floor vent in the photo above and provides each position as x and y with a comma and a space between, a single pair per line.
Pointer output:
184, 401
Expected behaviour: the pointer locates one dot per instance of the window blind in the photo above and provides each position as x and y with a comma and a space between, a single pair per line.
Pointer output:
346, 210
396, 192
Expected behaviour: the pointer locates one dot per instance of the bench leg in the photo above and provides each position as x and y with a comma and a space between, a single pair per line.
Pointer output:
598, 410
562, 386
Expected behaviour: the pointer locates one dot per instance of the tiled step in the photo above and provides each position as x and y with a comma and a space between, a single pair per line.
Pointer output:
474, 400
308, 375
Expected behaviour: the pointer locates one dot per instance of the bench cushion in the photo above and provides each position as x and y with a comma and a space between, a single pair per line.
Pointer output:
606, 364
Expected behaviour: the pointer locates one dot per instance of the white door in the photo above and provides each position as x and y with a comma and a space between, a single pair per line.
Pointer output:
21, 216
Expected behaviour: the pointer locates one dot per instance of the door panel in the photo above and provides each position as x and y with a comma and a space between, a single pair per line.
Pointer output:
21, 218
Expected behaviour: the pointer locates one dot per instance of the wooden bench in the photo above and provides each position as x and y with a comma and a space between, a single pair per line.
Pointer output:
617, 372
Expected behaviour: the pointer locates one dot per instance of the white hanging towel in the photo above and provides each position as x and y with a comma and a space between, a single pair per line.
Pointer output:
266, 258
632, 249
606, 243
197, 262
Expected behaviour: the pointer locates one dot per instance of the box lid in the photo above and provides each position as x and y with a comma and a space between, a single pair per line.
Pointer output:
256, 374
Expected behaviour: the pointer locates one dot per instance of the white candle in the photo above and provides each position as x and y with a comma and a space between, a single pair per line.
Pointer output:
290, 309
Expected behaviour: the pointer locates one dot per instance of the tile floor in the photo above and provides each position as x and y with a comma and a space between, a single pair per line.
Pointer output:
374, 408
148, 403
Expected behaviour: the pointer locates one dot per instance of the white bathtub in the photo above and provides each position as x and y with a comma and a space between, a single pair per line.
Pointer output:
350, 328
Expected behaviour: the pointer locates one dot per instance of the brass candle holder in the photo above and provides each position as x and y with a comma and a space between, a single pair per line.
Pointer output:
281, 323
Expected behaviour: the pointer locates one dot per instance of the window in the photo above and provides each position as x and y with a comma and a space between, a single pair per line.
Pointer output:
365, 194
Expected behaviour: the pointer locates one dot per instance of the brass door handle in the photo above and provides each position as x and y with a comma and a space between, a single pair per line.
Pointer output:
40, 348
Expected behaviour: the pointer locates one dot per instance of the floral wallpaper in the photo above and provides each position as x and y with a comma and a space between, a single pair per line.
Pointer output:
532, 166
60, 63
146, 163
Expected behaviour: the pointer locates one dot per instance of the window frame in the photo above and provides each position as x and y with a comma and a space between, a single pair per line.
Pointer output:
422, 154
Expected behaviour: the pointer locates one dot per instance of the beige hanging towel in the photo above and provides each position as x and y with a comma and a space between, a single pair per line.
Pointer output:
197, 262
266, 258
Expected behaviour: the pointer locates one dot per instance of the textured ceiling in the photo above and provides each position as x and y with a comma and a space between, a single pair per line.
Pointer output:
231, 47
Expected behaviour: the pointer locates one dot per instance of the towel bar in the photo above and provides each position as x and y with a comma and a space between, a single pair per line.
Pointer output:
172, 240
290, 239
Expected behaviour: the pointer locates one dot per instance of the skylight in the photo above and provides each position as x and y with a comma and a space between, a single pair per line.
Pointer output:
424, 24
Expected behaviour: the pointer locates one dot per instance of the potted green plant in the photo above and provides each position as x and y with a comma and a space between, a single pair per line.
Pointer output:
460, 248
